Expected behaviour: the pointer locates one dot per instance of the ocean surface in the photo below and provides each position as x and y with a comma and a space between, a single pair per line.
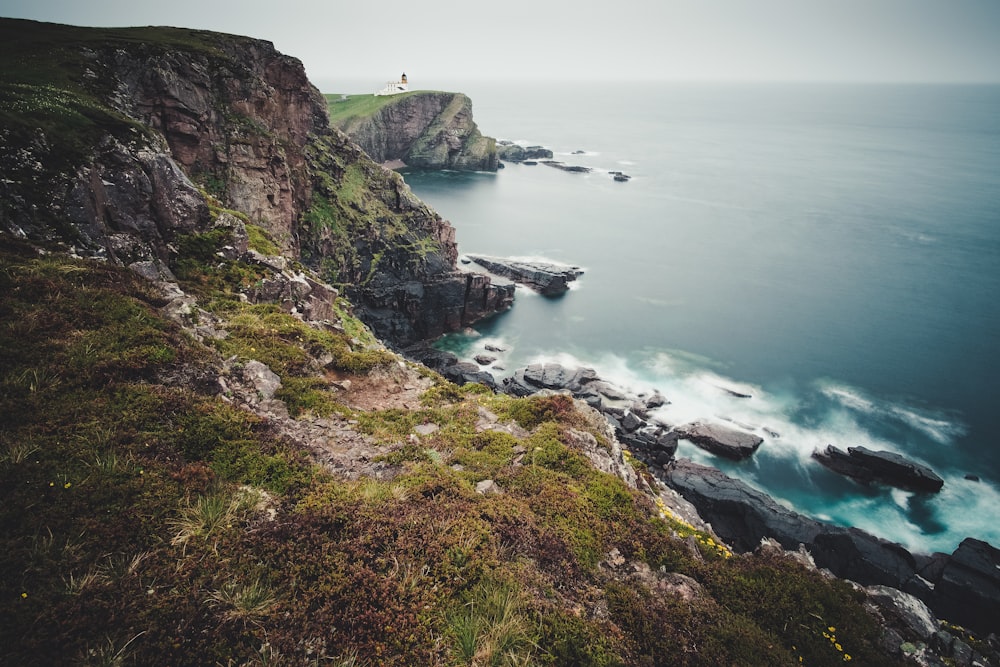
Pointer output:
832, 250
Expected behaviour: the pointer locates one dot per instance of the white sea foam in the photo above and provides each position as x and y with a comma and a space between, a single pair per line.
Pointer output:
660, 303
932, 424
900, 497
919, 522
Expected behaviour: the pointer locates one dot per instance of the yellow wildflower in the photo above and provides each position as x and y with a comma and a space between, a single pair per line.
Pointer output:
24, 595
847, 656
839, 647
67, 485
832, 629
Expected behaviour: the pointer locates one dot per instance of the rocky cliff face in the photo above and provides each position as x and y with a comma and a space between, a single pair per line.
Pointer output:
430, 130
142, 129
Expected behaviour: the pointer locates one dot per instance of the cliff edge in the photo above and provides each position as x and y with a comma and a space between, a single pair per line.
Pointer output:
423, 129
140, 136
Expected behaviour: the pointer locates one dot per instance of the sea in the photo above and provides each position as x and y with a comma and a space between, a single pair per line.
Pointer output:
831, 250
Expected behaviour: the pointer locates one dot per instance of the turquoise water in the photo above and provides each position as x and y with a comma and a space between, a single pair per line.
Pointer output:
832, 250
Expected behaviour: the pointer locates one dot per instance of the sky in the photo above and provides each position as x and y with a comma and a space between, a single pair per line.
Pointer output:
437, 42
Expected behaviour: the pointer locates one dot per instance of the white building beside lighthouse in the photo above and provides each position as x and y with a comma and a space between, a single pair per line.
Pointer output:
395, 87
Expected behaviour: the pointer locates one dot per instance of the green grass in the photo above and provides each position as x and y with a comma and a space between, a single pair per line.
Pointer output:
342, 111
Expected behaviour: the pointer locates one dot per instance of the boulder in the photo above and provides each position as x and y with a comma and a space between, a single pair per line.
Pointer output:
556, 376
262, 378
657, 400
911, 613
487, 487
484, 359
547, 278
721, 440
968, 591
866, 466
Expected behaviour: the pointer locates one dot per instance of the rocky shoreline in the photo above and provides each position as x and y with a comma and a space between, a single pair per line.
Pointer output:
963, 587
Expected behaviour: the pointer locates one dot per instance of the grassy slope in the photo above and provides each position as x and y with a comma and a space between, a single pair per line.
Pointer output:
355, 106
124, 519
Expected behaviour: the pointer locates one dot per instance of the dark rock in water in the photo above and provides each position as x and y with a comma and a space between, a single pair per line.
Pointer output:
963, 587
890, 466
721, 440
579, 153
972, 478
630, 422
657, 400
484, 359
512, 152
494, 348
968, 591
866, 466
743, 516
575, 169
733, 392
530, 163
544, 277
608, 390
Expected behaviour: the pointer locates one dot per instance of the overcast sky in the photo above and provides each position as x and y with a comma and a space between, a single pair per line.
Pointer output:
440, 41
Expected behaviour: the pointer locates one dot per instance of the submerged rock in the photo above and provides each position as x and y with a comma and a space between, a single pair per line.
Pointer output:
547, 278
575, 169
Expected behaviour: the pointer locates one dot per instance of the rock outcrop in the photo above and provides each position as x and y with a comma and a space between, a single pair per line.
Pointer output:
178, 124
423, 129
547, 278
963, 587
866, 466
721, 440
511, 152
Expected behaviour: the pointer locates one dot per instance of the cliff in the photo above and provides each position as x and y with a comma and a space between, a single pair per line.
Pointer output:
423, 129
206, 458
141, 135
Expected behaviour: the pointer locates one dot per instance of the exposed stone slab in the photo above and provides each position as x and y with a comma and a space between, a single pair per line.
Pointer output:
721, 440
548, 278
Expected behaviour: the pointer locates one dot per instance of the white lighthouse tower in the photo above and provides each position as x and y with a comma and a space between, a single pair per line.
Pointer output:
395, 87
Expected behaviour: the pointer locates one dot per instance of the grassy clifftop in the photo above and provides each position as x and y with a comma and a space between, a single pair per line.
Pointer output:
347, 110
425, 129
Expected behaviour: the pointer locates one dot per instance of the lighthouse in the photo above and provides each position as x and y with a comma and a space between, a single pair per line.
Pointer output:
395, 87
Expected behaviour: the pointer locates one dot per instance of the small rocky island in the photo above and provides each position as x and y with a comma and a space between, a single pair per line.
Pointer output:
508, 151
546, 278
867, 466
